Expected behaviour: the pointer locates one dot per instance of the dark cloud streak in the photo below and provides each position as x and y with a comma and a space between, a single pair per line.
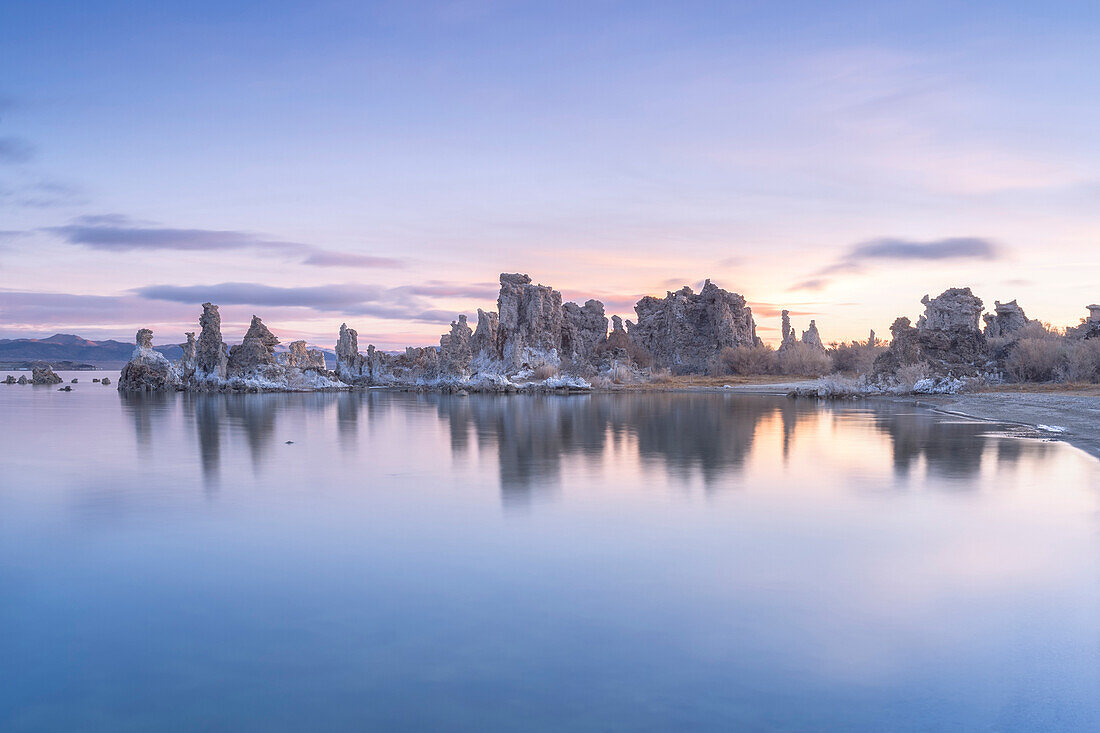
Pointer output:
115, 233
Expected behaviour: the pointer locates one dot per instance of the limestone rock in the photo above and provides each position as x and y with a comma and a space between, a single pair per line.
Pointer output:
66, 388
583, 330
618, 338
256, 350
350, 364
946, 339
954, 310
9, 379
301, 357
187, 363
1089, 328
788, 334
483, 342
1006, 319
22, 379
529, 327
685, 331
211, 357
455, 351
43, 373
74, 381
811, 337
106, 381
148, 370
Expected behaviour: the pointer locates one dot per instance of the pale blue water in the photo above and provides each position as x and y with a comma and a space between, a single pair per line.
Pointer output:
630, 562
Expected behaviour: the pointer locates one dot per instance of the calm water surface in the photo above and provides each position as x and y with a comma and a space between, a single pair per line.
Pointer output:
627, 562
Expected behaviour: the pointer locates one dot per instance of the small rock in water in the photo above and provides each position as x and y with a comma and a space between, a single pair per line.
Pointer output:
66, 388
106, 380
290, 442
75, 381
23, 379
9, 379
96, 380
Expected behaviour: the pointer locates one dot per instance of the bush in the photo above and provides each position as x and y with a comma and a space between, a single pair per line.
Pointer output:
544, 372
746, 360
855, 357
909, 374
1080, 361
1034, 359
660, 376
803, 360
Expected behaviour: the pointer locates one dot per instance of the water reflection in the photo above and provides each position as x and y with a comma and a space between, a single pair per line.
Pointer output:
711, 436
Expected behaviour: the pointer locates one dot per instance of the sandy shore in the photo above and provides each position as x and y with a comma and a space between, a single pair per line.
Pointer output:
1074, 418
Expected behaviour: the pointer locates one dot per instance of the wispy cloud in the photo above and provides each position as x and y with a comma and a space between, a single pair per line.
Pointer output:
403, 303
117, 233
893, 249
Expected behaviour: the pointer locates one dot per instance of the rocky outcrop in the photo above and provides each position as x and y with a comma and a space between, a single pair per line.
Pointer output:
211, 354
583, 330
43, 373
618, 338
787, 337
1089, 327
483, 343
299, 356
684, 331
148, 370
350, 364
946, 339
812, 338
455, 350
9, 379
187, 363
22, 379
1006, 319
955, 310
529, 326
255, 351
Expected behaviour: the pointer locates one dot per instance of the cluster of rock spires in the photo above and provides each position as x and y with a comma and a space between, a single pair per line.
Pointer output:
535, 341
810, 337
532, 340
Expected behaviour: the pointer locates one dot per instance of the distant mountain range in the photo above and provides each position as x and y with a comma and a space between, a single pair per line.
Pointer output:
72, 348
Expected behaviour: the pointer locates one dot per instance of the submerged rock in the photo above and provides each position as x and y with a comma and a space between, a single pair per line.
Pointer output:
106, 381
684, 331
43, 373
148, 370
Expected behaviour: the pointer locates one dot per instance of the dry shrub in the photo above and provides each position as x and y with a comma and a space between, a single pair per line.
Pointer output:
1034, 359
855, 357
745, 360
660, 376
803, 360
544, 372
909, 374
1080, 361
621, 374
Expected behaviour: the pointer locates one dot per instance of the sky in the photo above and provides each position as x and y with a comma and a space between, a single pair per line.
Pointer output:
381, 163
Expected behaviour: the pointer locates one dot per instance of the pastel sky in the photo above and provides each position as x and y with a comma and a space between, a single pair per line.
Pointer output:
381, 163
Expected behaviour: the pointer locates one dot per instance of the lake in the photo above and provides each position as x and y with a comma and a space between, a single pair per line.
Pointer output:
660, 561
